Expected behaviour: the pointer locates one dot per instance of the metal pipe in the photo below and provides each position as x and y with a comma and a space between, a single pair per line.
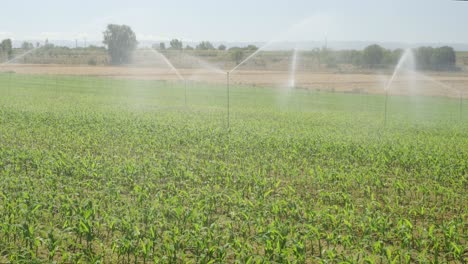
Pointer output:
228, 100
461, 105
185, 90
386, 106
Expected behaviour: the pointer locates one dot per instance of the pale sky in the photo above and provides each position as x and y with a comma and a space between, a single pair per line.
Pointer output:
411, 21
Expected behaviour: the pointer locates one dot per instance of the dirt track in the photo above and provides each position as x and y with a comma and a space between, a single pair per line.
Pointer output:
443, 84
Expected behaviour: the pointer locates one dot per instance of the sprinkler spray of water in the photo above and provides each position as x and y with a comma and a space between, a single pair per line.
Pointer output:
228, 74
14, 59
174, 69
292, 70
168, 62
407, 56
449, 88
282, 36
20, 56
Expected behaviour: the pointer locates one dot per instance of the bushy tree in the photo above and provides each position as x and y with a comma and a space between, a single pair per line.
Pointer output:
391, 57
222, 47
6, 47
121, 42
353, 57
356, 58
205, 45
423, 57
325, 55
48, 45
443, 58
237, 54
176, 44
373, 55
27, 45
251, 48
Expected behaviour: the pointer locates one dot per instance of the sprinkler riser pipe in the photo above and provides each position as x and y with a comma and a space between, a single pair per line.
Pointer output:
461, 106
228, 99
185, 91
386, 106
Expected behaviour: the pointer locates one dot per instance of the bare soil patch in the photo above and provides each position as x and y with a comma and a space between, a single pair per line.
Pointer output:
431, 84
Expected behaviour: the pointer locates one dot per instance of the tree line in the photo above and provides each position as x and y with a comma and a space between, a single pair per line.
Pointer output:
375, 56
120, 42
176, 44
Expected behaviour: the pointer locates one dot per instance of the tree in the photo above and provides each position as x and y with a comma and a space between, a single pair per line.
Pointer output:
423, 57
251, 48
205, 45
356, 58
443, 58
353, 57
7, 48
237, 54
27, 46
48, 45
121, 42
188, 47
176, 44
391, 58
222, 47
373, 55
325, 55
316, 52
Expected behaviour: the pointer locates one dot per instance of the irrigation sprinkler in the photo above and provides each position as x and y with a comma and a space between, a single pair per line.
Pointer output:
185, 92
386, 107
46, 81
9, 80
228, 99
461, 106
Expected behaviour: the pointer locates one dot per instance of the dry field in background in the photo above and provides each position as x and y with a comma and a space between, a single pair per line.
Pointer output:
431, 84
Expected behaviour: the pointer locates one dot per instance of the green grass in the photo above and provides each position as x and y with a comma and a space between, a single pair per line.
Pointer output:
123, 171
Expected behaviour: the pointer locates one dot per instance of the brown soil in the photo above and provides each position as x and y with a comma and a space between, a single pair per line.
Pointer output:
433, 84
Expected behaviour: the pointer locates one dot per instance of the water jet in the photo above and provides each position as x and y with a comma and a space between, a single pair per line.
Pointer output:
20, 56
406, 58
292, 70
168, 62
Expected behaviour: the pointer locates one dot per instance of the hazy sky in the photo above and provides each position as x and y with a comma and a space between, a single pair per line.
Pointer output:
240, 20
